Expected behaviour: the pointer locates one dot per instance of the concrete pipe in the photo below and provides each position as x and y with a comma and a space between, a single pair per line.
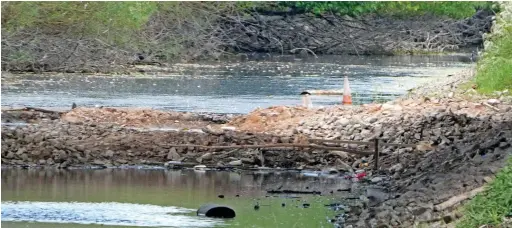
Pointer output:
216, 211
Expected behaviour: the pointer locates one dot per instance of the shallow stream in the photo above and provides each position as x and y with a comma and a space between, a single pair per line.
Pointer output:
235, 87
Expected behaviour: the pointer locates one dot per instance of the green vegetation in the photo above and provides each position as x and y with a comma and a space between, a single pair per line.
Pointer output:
493, 205
451, 9
121, 17
495, 68
105, 19
494, 73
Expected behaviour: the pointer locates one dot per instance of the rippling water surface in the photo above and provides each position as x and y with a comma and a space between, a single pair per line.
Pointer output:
235, 87
108, 213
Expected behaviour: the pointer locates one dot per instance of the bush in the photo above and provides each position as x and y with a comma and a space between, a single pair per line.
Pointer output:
115, 22
457, 10
494, 71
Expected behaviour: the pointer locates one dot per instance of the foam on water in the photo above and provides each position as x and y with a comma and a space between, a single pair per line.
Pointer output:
108, 213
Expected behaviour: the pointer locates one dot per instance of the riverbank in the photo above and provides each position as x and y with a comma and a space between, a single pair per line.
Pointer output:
227, 30
470, 140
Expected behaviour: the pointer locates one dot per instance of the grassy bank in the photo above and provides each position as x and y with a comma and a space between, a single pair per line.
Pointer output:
491, 207
495, 69
494, 72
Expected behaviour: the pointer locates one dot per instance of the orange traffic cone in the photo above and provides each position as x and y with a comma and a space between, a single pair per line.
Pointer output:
347, 97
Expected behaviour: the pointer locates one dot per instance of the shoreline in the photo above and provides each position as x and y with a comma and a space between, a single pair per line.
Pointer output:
141, 69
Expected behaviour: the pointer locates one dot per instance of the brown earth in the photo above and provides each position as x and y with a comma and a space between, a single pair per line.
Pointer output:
135, 117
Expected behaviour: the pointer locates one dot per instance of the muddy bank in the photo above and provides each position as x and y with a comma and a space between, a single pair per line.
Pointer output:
244, 37
330, 34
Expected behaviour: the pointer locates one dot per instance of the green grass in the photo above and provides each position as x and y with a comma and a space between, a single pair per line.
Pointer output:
491, 206
494, 72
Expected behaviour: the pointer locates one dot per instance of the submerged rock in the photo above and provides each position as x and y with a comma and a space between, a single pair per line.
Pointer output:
235, 163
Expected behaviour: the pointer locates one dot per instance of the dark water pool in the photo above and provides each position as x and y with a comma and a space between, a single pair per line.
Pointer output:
161, 198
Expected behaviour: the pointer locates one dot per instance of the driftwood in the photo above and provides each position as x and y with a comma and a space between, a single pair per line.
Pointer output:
457, 199
293, 192
331, 34
491, 107
33, 109
306, 49
281, 145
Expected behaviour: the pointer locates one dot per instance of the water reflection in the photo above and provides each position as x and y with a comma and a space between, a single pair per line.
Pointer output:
182, 189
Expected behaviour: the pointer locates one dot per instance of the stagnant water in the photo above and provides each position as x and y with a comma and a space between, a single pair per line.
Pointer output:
160, 198
235, 87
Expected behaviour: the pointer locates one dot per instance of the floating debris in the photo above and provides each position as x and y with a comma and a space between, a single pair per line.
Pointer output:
293, 192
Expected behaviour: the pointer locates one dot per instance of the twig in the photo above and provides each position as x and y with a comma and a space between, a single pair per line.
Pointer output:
456, 199
307, 49
491, 107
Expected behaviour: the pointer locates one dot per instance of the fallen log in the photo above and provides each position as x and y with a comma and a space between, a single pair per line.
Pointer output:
34, 109
457, 199
293, 192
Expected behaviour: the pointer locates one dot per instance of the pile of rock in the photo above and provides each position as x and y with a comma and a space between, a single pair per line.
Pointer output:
62, 144
403, 121
143, 117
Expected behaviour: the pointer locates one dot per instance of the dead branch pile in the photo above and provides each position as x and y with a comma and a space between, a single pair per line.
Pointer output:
207, 32
332, 34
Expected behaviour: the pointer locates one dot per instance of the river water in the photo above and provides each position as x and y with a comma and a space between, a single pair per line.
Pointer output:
235, 87
159, 198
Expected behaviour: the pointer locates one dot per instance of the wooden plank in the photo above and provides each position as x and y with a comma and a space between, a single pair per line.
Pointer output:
360, 142
376, 155
359, 152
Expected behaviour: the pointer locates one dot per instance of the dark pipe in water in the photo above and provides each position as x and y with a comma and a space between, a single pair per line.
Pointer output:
216, 211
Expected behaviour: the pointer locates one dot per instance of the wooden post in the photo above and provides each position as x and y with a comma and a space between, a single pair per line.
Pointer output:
376, 154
